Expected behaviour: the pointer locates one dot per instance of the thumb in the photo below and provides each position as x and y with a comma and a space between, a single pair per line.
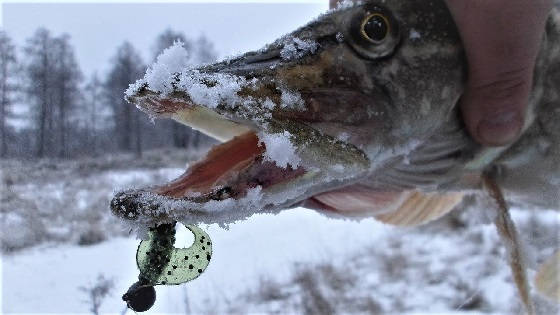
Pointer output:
502, 40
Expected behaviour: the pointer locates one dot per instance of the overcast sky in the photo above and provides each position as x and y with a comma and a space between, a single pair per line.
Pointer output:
96, 29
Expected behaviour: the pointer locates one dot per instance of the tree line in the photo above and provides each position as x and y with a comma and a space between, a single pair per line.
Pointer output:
62, 114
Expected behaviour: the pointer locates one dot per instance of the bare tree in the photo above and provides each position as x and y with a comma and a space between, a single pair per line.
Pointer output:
8, 68
92, 110
52, 88
127, 68
204, 51
67, 78
39, 69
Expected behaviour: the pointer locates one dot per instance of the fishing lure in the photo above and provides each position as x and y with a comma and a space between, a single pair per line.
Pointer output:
160, 263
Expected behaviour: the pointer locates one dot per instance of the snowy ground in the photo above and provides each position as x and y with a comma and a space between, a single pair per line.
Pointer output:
295, 262
51, 201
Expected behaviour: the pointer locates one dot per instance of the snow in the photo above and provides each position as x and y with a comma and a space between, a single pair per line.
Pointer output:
438, 268
222, 90
291, 100
339, 37
134, 87
343, 136
171, 72
413, 270
239, 254
268, 104
171, 61
280, 149
346, 4
47, 279
414, 34
205, 89
74, 191
295, 48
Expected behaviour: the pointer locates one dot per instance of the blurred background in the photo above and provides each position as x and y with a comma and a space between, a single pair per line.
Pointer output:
68, 141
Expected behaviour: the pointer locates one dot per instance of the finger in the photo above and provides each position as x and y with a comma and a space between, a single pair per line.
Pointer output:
502, 39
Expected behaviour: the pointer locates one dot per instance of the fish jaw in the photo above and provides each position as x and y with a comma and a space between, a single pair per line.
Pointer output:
233, 182
318, 109
267, 162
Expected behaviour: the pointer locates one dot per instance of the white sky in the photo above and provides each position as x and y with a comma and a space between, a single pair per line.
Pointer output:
98, 27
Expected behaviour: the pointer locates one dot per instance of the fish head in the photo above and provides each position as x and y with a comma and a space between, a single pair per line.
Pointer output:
318, 109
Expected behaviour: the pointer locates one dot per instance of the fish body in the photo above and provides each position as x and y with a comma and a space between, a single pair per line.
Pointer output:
354, 114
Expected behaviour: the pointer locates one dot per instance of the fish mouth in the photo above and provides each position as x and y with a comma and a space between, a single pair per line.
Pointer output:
230, 170
270, 158
254, 170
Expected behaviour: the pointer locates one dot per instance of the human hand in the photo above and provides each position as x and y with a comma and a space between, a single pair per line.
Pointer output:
502, 39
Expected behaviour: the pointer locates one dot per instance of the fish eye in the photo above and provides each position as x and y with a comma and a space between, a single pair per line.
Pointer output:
375, 28
372, 31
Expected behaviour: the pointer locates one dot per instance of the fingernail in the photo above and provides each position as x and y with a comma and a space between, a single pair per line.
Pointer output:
500, 129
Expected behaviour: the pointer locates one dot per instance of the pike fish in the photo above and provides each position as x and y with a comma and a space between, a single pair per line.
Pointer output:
354, 114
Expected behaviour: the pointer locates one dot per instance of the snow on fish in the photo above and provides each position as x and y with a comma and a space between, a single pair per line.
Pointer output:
353, 115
